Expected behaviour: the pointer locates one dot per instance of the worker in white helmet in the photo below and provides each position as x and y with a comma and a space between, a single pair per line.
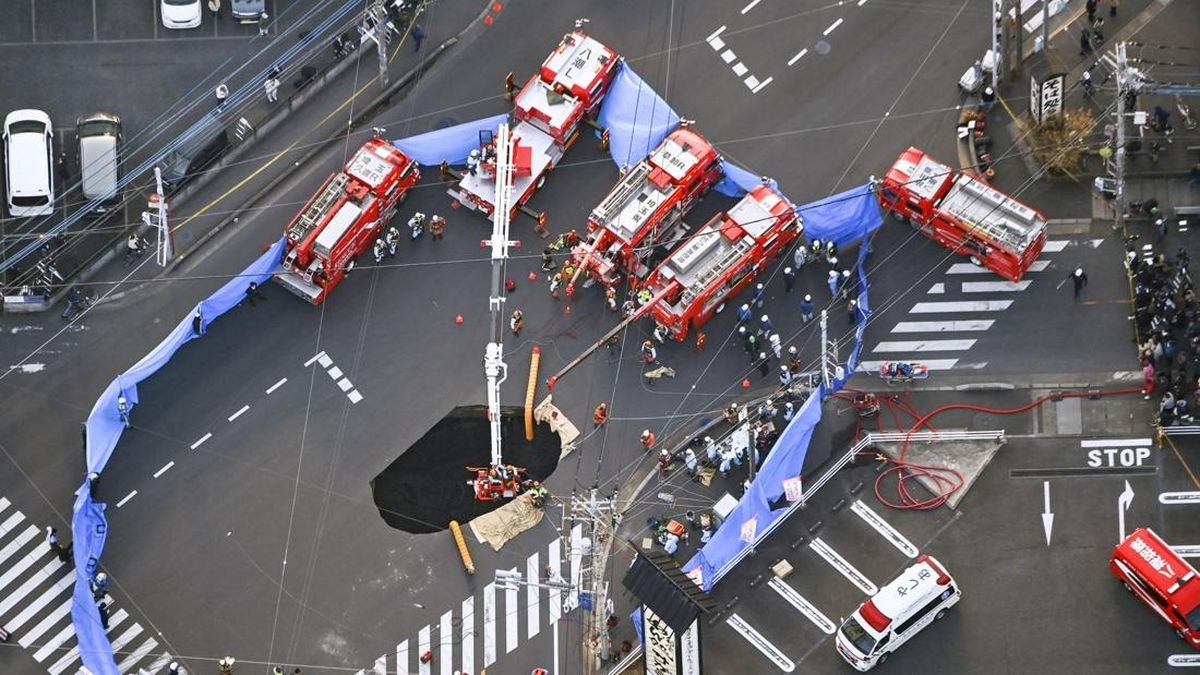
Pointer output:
379, 250
473, 162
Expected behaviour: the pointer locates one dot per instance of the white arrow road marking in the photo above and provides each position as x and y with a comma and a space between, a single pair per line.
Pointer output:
1123, 502
761, 643
842, 565
802, 605
1178, 497
884, 528
1047, 516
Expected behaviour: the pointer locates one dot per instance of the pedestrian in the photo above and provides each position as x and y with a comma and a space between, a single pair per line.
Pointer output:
744, 314
807, 309
600, 415
764, 366
437, 227
834, 281
614, 345
99, 585
727, 457
701, 340
102, 608
831, 252
789, 411
222, 93
789, 279
225, 665
648, 439
689, 460
1079, 279
263, 26
1098, 32
1149, 379
271, 87
760, 296
379, 250
794, 359
1090, 6
64, 172
852, 311
418, 37
392, 239
1160, 226
547, 260
765, 326
785, 375
63, 552
1085, 41
173, 668
844, 284
253, 295
123, 409
1112, 7
214, 6
749, 341
628, 309
988, 98
198, 322
1194, 176
517, 322
660, 333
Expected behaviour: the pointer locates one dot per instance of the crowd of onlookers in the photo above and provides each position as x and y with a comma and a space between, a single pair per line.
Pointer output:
1166, 315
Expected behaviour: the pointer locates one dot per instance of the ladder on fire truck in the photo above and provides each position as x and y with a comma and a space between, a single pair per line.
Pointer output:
735, 252
315, 212
631, 184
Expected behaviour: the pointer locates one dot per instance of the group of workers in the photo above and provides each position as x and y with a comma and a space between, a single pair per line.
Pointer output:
386, 244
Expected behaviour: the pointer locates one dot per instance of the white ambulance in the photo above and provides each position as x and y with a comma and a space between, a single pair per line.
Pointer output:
918, 597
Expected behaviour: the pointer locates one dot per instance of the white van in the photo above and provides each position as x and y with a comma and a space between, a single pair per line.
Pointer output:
29, 163
99, 136
918, 597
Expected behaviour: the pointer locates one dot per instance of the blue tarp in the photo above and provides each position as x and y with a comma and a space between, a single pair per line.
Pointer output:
636, 117
452, 144
844, 217
738, 181
103, 429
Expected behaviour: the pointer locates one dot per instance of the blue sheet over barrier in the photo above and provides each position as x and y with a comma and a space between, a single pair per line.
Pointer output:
636, 117
844, 217
738, 181
103, 429
452, 144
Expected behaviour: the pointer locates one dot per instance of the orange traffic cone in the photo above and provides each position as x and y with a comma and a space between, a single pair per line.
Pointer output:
458, 320
532, 275
746, 383
567, 309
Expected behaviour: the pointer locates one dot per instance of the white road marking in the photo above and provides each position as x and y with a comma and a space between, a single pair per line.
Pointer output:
717, 44
969, 268
402, 658
937, 289
728, 56
354, 396
4, 503
942, 326
884, 528
317, 357
740, 69
958, 307
55, 642
42, 601
468, 635
511, 623
554, 562
489, 625
715, 34
126, 637
750, 6
1056, 245
761, 643
576, 561
931, 364
1184, 660
1168, 498
1186, 551
832, 27
842, 565
20, 567
892, 346
446, 642
344, 384
12, 522
15, 545
239, 413
994, 286
44, 625
751, 82
533, 596
335, 372
763, 84
166, 468
160, 663
200, 442
138, 654
1116, 442
126, 498
423, 644
381, 665
793, 598
277, 385
799, 55
862, 2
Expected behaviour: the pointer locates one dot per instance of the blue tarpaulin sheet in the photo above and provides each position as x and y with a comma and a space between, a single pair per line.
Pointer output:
452, 144
636, 117
103, 429
844, 217
738, 181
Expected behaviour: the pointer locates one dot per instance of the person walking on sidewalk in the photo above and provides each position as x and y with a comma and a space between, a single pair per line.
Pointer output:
418, 37
222, 93
1091, 5
1112, 7
271, 87
789, 279
1079, 279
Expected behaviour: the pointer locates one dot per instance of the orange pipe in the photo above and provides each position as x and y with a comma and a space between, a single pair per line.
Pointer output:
468, 564
531, 390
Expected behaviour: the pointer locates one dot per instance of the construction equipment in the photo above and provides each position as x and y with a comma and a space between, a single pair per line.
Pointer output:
645, 209
720, 259
963, 213
344, 218
546, 119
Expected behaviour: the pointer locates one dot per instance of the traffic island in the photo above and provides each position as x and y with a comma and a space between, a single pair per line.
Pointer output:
964, 453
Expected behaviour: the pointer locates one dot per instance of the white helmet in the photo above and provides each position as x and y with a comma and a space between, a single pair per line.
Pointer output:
787, 270
475, 152
845, 273
764, 317
745, 306
419, 215
759, 287
100, 577
792, 349
807, 297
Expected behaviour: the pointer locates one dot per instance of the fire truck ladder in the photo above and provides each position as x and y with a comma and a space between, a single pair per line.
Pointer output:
630, 185
735, 253
312, 216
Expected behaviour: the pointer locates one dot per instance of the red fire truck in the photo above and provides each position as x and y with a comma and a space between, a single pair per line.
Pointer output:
547, 113
963, 213
343, 218
1161, 578
646, 207
720, 259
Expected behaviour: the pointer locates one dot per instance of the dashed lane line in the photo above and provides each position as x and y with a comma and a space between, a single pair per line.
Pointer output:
126, 499
200, 442
239, 413
750, 6
832, 27
799, 55
276, 386
166, 468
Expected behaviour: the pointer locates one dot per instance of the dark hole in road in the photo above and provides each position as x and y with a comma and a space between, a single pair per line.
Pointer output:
426, 487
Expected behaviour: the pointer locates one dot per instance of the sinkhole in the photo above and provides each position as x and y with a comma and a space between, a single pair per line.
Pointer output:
426, 487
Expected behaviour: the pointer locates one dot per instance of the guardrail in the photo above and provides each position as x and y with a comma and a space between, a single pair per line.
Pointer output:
1191, 430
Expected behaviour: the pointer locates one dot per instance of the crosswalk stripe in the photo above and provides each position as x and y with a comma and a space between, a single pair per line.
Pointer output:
15, 545
30, 584
71, 656
489, 625
554, 562
1056, 245
381, 665
942, 326
931, 364
38, 605
126, 637
45, 624
468, 634
402, 658
970, 268
937, 289
446, 642
958, 307
511, 600
533, 593
56, 641
159, 663
995, 286
138, 654
423, 644
4, 503
892, 346
576, 566
11, 522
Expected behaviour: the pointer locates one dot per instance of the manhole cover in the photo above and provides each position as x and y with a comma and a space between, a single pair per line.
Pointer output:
822, 48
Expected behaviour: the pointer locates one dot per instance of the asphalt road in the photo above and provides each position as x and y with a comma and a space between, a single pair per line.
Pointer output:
287, 479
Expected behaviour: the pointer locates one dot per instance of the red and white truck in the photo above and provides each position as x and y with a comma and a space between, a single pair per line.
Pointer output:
343, 218
720, 259
646, 207
547, 114
963, 213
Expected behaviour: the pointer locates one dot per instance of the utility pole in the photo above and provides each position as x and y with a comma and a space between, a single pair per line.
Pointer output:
378, 34
825, 369
157, 219
588, 556
1123, 85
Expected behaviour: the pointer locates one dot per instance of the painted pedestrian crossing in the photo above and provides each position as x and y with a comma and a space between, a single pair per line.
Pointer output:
35, 605
493, 623
922, 337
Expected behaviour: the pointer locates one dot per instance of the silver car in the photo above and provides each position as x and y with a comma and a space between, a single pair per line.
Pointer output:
248, 11
100, 136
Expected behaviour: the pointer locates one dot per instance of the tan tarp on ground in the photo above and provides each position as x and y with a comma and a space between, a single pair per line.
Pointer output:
499, 526
568, 432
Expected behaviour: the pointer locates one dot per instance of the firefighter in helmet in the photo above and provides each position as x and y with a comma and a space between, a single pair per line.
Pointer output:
392, 238
649, 354
417, 224
473, 162
379, 249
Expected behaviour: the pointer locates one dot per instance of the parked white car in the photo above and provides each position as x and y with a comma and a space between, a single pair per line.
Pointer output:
180, 14
29, 163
